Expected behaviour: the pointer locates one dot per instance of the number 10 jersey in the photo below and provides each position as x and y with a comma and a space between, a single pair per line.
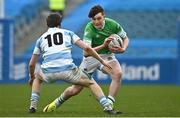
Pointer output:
55, 48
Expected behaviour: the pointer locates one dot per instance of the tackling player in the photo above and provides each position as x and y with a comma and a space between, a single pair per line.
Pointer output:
55, 48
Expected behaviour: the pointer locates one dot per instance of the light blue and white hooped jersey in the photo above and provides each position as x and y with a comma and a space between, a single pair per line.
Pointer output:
55, 47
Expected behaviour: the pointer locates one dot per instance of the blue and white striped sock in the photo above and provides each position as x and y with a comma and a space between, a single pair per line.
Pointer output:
103, 101
34, 99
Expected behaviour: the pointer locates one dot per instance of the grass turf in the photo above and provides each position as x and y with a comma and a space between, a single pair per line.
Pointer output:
132, 100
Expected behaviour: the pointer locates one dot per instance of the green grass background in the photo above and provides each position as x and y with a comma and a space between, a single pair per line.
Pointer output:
132, 100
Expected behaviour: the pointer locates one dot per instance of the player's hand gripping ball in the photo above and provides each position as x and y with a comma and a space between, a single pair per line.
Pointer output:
117, 41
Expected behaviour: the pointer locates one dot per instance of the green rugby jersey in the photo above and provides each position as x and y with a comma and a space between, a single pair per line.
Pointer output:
96, 37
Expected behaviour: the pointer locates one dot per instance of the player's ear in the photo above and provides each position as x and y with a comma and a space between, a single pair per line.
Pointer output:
103, 14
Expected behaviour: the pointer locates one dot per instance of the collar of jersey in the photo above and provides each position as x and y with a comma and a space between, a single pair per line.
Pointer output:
102, 26
53, 28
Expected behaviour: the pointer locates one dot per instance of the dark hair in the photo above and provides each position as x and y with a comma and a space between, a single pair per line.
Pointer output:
54, 20
95, 10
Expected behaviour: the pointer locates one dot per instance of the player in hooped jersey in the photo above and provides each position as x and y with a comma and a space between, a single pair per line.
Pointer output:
55, 48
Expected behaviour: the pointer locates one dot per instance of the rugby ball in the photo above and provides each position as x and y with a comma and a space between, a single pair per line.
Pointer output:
117, 41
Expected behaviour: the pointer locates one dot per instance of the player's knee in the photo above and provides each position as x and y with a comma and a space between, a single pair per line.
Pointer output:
74, 91
117, 76
77, 90
90, 82
37, 81
120, 75
86, 82
37, 75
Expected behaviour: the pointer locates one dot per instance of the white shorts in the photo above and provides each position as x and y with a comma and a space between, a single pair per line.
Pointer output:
70, 76
90, 64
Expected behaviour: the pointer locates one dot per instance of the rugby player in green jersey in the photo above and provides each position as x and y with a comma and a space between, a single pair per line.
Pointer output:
96, 35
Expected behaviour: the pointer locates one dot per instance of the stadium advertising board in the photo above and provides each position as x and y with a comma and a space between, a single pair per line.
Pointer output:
145, 71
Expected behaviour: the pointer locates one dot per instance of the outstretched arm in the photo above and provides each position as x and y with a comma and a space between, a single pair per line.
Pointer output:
90, 51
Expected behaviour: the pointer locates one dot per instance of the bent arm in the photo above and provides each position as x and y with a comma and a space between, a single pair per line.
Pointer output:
118, 49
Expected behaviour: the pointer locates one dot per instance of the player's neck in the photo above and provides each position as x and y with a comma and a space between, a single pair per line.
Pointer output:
102, 26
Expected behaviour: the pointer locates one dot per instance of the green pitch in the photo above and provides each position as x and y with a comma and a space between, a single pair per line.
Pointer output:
133, 100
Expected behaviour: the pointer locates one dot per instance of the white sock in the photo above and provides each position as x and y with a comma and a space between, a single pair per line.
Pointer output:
104, 102
34, 99
111, 99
